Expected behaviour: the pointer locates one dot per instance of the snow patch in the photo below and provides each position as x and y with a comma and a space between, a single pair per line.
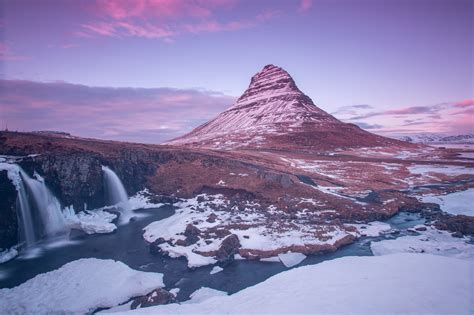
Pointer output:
291, 259
350, 285
431, 241
460, 202
80, 286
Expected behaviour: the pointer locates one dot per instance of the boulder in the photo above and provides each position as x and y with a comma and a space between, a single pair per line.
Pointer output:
229, 247
192, 234
156, 297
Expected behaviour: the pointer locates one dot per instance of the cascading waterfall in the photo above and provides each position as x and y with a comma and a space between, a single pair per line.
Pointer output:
46, 204
39, 211
24, 214
115, 192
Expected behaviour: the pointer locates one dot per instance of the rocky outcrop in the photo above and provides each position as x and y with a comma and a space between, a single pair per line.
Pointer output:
8, 216
459, 224
229, 247
156, 297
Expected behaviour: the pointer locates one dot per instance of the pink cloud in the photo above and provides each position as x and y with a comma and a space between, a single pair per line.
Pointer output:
465, 103
6, 54
305, 5
122, 9
165, 19
451, 117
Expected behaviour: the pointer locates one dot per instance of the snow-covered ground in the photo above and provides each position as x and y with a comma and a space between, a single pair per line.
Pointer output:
431, 241
256, 230
460, 202
446, 170
79, 287
390, 284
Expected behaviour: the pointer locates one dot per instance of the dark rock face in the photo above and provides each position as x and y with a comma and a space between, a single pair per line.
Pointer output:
229, 247
192, 234
8, 217
459, 224
156, 297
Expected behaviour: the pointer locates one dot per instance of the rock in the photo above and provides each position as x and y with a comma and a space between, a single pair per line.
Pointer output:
8, 216
156, 297
212, 218
229, 247
154, 247
462, 224
457, 234
421, 228
192, 234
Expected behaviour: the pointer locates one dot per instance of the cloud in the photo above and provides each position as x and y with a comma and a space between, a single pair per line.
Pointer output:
449, 117
6, 54
406, 111
305, 5
165, 19
365, 125
351, 110
130, 114
465, 103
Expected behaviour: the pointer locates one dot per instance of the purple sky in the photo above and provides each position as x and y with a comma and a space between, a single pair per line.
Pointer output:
149, 70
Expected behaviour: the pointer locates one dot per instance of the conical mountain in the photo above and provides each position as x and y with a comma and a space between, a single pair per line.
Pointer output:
274, 114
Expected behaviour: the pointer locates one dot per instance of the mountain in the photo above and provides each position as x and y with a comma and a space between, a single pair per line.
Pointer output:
274, 114
439, 139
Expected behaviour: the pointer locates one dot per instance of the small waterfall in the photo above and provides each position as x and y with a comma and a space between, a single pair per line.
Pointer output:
38, 210
115, 192
25, 221
46, 204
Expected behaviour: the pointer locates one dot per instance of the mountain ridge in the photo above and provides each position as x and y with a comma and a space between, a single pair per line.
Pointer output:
273, 113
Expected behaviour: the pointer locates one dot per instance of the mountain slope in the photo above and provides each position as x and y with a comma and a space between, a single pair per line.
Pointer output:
274, 114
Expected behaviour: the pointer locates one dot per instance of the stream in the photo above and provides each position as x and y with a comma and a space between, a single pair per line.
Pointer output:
127, 245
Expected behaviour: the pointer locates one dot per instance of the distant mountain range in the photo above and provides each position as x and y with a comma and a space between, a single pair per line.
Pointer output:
439, 139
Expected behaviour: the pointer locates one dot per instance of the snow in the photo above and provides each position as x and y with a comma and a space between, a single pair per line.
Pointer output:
90, 221
271, 259
80, 286
203, 294
141, 200
256, 230
13, 173
461, 202
8, 254
467, 155
372, 229
392, 284
431, 241
446, 170
174, 291
216, 269
291, 259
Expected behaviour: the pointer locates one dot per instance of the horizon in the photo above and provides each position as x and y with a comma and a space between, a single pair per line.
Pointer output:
94, 69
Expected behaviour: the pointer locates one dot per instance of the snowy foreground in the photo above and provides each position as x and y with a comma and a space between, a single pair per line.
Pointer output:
460, 202
80, 286
393, 284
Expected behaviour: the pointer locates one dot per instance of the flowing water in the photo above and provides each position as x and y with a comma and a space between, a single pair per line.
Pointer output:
126, 244
115, 192
38, 209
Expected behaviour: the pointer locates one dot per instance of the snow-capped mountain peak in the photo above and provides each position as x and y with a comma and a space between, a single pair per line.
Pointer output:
273, 112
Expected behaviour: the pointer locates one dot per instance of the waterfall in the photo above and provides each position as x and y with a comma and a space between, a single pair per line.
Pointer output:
25, 221
39, 211
115, 192
46, 204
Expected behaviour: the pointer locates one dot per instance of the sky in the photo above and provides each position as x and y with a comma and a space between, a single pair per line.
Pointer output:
151, 70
